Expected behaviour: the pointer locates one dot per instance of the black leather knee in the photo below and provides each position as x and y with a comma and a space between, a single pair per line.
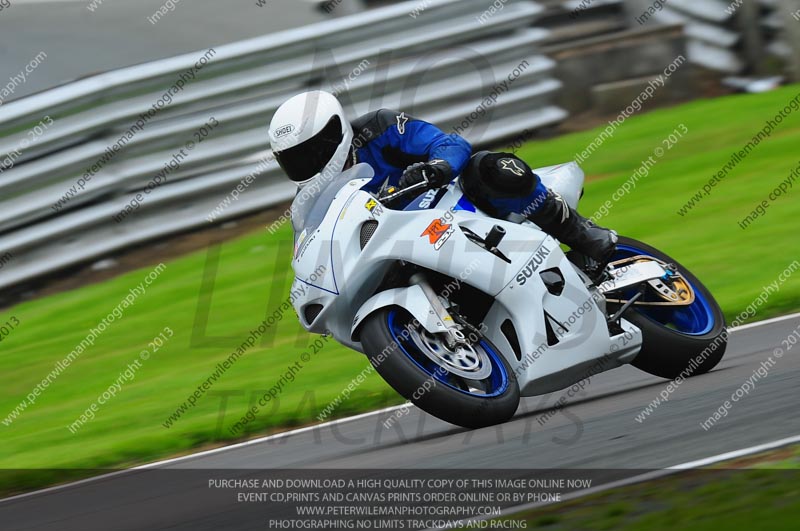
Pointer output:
490, 177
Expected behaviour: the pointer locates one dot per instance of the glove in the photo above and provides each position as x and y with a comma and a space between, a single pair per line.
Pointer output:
438, 173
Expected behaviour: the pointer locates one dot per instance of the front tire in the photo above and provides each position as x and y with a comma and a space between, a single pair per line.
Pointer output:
401, 360
676, 339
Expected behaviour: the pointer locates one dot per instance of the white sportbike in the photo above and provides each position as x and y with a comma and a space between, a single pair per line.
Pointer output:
462, 313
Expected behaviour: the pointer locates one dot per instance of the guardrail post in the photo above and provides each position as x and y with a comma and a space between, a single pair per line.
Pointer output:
749, 22
790, 12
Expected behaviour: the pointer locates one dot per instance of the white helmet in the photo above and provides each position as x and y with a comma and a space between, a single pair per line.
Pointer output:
310, 135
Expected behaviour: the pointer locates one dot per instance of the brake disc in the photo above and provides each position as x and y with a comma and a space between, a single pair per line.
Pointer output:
464, 360
674, 289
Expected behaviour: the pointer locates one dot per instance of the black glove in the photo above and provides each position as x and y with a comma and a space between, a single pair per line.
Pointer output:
438, 173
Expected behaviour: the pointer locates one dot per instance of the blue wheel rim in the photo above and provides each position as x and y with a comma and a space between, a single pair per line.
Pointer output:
696, 319
495, 384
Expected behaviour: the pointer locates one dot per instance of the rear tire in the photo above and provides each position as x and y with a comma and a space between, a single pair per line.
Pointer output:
668, 352
400, 362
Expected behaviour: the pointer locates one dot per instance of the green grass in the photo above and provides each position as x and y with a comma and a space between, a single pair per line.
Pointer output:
706, 500
253, 278
129, 428
734, 263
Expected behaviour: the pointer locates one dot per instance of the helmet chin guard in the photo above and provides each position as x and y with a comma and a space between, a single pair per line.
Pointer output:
310, 136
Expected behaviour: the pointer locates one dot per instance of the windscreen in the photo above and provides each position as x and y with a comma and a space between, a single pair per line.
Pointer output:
312, 201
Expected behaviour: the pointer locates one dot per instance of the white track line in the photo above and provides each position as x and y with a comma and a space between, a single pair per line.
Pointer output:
766, 322
269, 437
737, 453
204, 453
655, 474
364, 415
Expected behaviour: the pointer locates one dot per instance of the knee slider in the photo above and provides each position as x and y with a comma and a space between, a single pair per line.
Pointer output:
493, 177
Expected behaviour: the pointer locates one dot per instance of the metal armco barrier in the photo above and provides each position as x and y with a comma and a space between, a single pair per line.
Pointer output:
165, 143
723, 35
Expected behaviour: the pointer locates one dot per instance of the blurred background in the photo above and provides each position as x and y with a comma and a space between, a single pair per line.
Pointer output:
134, 166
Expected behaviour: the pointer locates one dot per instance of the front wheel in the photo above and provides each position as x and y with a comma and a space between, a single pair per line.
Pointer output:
677, 340
471, 387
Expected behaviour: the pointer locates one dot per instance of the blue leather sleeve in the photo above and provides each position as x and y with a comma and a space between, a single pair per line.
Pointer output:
423, 137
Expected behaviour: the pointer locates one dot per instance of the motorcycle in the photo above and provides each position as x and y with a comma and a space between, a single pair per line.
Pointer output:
462, 313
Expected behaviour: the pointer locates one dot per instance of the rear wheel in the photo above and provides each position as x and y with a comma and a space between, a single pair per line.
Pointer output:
471, 386
678, 340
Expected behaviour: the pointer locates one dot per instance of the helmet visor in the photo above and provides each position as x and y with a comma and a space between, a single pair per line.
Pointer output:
308, 158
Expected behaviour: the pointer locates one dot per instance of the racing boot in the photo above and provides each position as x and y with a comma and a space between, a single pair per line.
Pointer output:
598, 244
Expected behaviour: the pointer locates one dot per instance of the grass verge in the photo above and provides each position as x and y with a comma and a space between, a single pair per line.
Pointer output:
211, 300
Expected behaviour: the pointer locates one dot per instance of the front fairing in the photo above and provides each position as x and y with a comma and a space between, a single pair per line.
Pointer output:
326, 220
339, 266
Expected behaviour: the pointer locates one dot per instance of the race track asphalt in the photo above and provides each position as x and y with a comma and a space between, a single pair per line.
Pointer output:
596, 431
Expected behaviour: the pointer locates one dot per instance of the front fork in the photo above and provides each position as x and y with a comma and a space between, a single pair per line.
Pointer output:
455, 335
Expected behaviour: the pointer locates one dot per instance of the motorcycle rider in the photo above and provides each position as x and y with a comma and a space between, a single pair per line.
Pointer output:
311, 138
